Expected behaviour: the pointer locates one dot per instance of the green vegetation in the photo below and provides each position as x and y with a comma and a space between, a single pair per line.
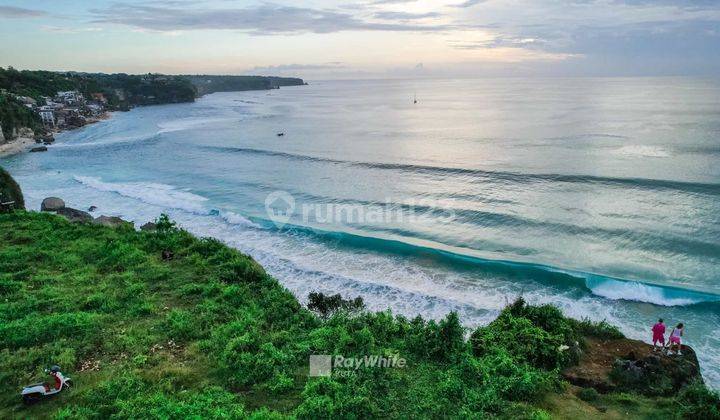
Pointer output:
208, 334
14, 115
121, 90
208, 84
10, 191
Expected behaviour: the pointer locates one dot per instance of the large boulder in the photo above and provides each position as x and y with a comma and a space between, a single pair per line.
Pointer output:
74, 215
52, 204
110, 221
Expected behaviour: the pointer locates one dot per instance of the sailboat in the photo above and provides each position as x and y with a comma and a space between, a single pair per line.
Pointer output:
415, 98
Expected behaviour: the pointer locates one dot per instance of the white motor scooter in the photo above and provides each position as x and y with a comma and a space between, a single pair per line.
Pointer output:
35, 392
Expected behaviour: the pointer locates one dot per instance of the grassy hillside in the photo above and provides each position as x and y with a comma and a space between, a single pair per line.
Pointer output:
209, 334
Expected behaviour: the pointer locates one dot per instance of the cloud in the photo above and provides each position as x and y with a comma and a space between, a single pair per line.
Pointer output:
468, 3
19, 12
386, 15
263, 19
69, 30
392, 1
295, 67
497, 42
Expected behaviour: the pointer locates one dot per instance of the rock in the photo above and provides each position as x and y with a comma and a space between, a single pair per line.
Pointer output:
632, 365
52, 204
110, 221
149, 226
26, 132
38, 149
92, 209
74, 215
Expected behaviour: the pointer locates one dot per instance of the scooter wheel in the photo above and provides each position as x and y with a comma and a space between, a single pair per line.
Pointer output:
29, 399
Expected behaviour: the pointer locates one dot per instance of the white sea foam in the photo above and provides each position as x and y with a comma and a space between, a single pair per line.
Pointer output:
183, 124
640, 292
236, 219
642, 150
111, 141
156, 194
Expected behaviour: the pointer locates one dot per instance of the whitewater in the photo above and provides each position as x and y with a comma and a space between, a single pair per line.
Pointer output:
600, 196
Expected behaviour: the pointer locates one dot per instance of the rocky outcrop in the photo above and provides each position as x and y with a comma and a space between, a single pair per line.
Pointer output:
25, 132
74, 215
2, 136
52, 204
111, 221
631, 365
148, 227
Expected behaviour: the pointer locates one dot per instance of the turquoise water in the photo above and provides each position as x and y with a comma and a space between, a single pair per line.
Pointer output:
601, 196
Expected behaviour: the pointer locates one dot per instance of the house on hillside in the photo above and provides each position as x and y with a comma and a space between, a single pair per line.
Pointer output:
70, 97
47, 115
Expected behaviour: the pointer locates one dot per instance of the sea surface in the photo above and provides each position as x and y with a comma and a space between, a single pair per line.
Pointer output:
600, 196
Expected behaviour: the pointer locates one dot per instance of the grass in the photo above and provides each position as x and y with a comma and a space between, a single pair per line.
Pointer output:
208, 334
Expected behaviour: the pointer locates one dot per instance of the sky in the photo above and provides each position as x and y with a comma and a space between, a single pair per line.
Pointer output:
324, 39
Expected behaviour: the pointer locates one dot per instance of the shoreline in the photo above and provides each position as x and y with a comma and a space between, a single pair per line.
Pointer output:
23, 144
18, 145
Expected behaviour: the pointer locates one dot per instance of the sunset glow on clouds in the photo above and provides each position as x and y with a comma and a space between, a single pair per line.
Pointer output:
373, 38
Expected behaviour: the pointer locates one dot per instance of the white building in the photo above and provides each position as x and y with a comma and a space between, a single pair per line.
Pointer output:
71, 97
47, 115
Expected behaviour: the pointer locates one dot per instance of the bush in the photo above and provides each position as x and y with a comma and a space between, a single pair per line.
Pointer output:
601, 329
10, 190
328, 305
588, 394
696, 401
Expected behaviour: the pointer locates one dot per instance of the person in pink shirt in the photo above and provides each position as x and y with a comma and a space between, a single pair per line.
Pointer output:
658, 331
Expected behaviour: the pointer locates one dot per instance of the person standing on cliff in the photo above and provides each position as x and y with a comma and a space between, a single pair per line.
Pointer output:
676, 338
658, 331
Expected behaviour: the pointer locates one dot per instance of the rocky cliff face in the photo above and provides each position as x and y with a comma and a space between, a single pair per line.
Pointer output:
632, 366
2, 136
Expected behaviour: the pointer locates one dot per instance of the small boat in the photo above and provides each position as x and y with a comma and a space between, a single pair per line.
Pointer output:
415, 98
280, 134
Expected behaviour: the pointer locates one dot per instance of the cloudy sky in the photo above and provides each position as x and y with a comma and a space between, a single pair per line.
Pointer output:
319, 39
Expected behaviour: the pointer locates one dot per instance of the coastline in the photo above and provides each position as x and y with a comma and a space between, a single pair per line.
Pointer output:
16, 146
529, 382
24, 143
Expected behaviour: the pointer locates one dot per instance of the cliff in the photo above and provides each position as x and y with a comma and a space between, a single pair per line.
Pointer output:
10, 192
206, 84
160, 324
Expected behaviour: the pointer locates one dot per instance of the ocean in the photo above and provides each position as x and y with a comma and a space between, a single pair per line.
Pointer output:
598, 195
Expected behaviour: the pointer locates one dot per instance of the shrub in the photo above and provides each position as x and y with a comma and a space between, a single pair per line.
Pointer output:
182, 325
10, 190
696, 401
326, 305
588, 394
601, 329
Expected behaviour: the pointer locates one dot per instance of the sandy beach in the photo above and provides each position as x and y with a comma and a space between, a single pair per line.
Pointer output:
18, 145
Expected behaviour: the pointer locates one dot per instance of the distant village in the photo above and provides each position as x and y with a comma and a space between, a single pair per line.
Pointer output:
66, 110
